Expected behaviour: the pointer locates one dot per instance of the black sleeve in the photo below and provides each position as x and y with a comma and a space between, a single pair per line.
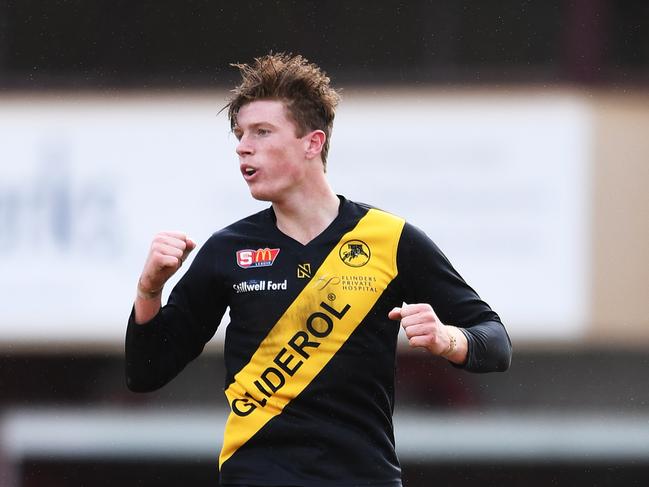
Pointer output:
158, 350
426, 276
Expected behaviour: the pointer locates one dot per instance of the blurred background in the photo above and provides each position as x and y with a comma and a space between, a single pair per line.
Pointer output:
515, 133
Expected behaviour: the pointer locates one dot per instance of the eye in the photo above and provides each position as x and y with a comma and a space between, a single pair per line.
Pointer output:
262, 132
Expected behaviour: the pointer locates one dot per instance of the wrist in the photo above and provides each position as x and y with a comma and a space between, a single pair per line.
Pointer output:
147, 294
452, 345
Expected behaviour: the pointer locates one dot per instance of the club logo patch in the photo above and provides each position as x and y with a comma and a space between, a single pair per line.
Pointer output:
304, 271
355, 253
248, 258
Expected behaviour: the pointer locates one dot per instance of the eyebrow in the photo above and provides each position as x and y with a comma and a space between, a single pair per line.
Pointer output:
254, 125
238, 131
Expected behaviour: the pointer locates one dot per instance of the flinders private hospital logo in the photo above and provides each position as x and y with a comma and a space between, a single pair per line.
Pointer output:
248, 258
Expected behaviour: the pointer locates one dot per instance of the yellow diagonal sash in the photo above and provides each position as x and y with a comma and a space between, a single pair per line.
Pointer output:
314, 327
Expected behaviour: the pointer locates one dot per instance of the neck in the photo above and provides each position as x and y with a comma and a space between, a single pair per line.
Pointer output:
305, 218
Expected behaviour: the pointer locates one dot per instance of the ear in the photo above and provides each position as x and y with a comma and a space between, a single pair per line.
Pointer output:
314, 143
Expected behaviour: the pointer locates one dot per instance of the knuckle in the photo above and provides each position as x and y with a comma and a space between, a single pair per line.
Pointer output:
158, 246
417, 342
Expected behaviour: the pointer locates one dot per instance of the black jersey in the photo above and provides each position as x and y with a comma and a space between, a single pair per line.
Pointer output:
309, 350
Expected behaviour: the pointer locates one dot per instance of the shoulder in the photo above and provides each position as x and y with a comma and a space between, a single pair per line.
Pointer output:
258, 223
410, 231
362, 209
415, 241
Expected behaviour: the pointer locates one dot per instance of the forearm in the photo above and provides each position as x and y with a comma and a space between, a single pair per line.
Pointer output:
157, 351
489, 347
157, 344
428, 277
149, 364
142, 354
161, 340
147, 304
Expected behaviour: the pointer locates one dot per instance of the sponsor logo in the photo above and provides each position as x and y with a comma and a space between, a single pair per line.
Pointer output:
324, 281
248, 286
295, 352
347, 283
248, 258
304, 271
355, 253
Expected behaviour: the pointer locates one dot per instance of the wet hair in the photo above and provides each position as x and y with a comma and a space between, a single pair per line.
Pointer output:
302, 86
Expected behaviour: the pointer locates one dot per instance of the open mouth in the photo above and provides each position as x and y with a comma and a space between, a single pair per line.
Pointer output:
249, 171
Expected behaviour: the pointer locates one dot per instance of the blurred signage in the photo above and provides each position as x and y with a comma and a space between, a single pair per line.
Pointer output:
501, 185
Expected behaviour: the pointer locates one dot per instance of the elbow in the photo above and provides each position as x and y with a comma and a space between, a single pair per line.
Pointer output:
135, 384
502, 356
503, 362
138, 385
142, 379
494, 361
490, 349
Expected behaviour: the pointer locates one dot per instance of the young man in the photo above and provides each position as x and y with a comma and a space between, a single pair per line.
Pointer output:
315, 285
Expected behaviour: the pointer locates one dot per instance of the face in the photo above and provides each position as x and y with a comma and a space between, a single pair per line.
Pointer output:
271, 155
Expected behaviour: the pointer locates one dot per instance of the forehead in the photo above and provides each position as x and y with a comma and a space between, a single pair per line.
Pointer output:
263, 111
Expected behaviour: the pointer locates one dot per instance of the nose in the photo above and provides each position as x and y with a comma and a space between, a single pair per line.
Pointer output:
243, 147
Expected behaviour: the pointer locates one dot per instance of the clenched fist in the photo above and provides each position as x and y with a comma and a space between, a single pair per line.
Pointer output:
168, 252
424, 329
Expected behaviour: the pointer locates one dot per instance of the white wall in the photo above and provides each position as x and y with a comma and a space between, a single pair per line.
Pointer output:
501, 183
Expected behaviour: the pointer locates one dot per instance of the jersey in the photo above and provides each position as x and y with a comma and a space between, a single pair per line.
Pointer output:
309, 350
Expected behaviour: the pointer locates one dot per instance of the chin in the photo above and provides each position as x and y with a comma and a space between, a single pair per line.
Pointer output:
265, 193
260, 195
261, 198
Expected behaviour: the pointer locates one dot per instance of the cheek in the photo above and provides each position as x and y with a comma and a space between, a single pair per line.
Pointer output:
286, 159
